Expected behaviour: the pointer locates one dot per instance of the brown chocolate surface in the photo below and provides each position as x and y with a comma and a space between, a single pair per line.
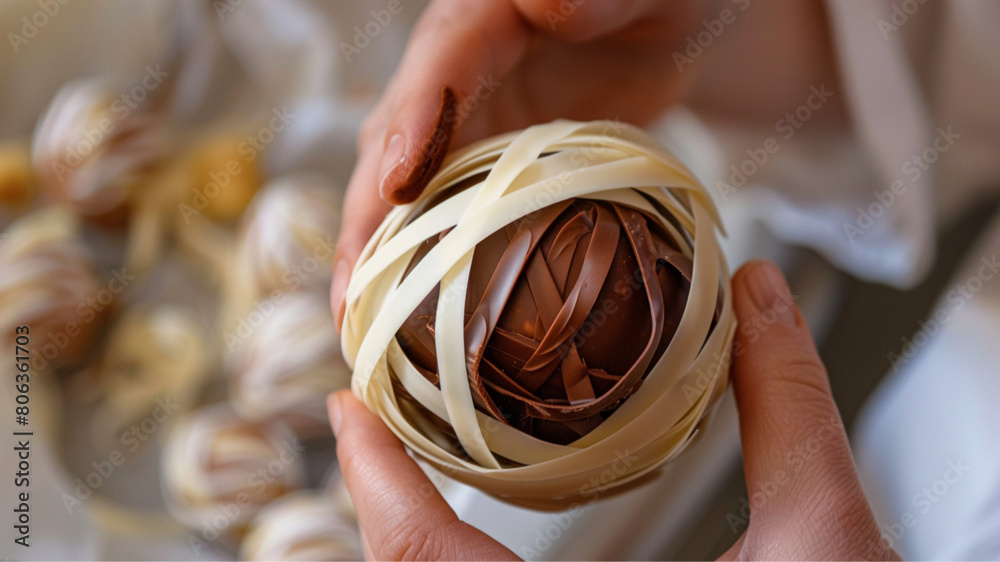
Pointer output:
567, 310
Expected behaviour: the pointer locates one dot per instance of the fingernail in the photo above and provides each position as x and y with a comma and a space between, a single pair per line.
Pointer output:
770, 292
341, 276
333, 406
392, 164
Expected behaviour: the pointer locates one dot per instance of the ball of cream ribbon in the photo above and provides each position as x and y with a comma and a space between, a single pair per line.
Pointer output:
526, 172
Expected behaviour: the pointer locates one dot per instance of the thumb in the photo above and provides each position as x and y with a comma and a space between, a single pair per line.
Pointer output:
401, 514
795, 452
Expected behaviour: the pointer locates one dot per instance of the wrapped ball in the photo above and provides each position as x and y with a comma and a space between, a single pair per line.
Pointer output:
48, 283
287, 239
288, 366
302, 526
220, 470
554, 300
90, 151
151, 352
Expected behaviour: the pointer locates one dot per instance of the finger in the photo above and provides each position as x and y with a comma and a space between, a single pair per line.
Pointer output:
363, 212
405, 138
468, 47
795, 450
367, 550
408, 133
584, 21
458, 49
401, 513
459, 52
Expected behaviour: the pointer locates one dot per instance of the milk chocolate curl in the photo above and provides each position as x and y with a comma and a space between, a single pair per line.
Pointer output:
567, 310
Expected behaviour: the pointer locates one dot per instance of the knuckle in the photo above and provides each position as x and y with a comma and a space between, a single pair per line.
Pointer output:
421, 543
807, 376
791, 368
796, 363
838, 508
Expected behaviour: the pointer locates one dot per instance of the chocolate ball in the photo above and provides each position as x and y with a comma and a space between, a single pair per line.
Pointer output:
589, 294
47, 279
303, 525
215, 462
555, 298
88, 156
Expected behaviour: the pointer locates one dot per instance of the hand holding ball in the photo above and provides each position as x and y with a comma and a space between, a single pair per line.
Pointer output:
554, 300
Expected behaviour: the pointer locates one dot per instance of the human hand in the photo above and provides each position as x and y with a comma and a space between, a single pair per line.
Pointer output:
475, 68
805, 498
795, 452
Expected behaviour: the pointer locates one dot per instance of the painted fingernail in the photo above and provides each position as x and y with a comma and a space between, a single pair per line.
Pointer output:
393, 165
770, 292
333, 406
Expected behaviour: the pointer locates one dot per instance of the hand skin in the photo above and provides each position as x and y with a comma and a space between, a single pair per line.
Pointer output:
512, 64
816, 511
608, 59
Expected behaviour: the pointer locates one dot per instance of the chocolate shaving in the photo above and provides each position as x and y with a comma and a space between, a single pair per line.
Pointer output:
567, 310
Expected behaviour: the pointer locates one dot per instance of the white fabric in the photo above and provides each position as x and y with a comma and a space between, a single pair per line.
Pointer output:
912, 70
927, 446
937, 72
